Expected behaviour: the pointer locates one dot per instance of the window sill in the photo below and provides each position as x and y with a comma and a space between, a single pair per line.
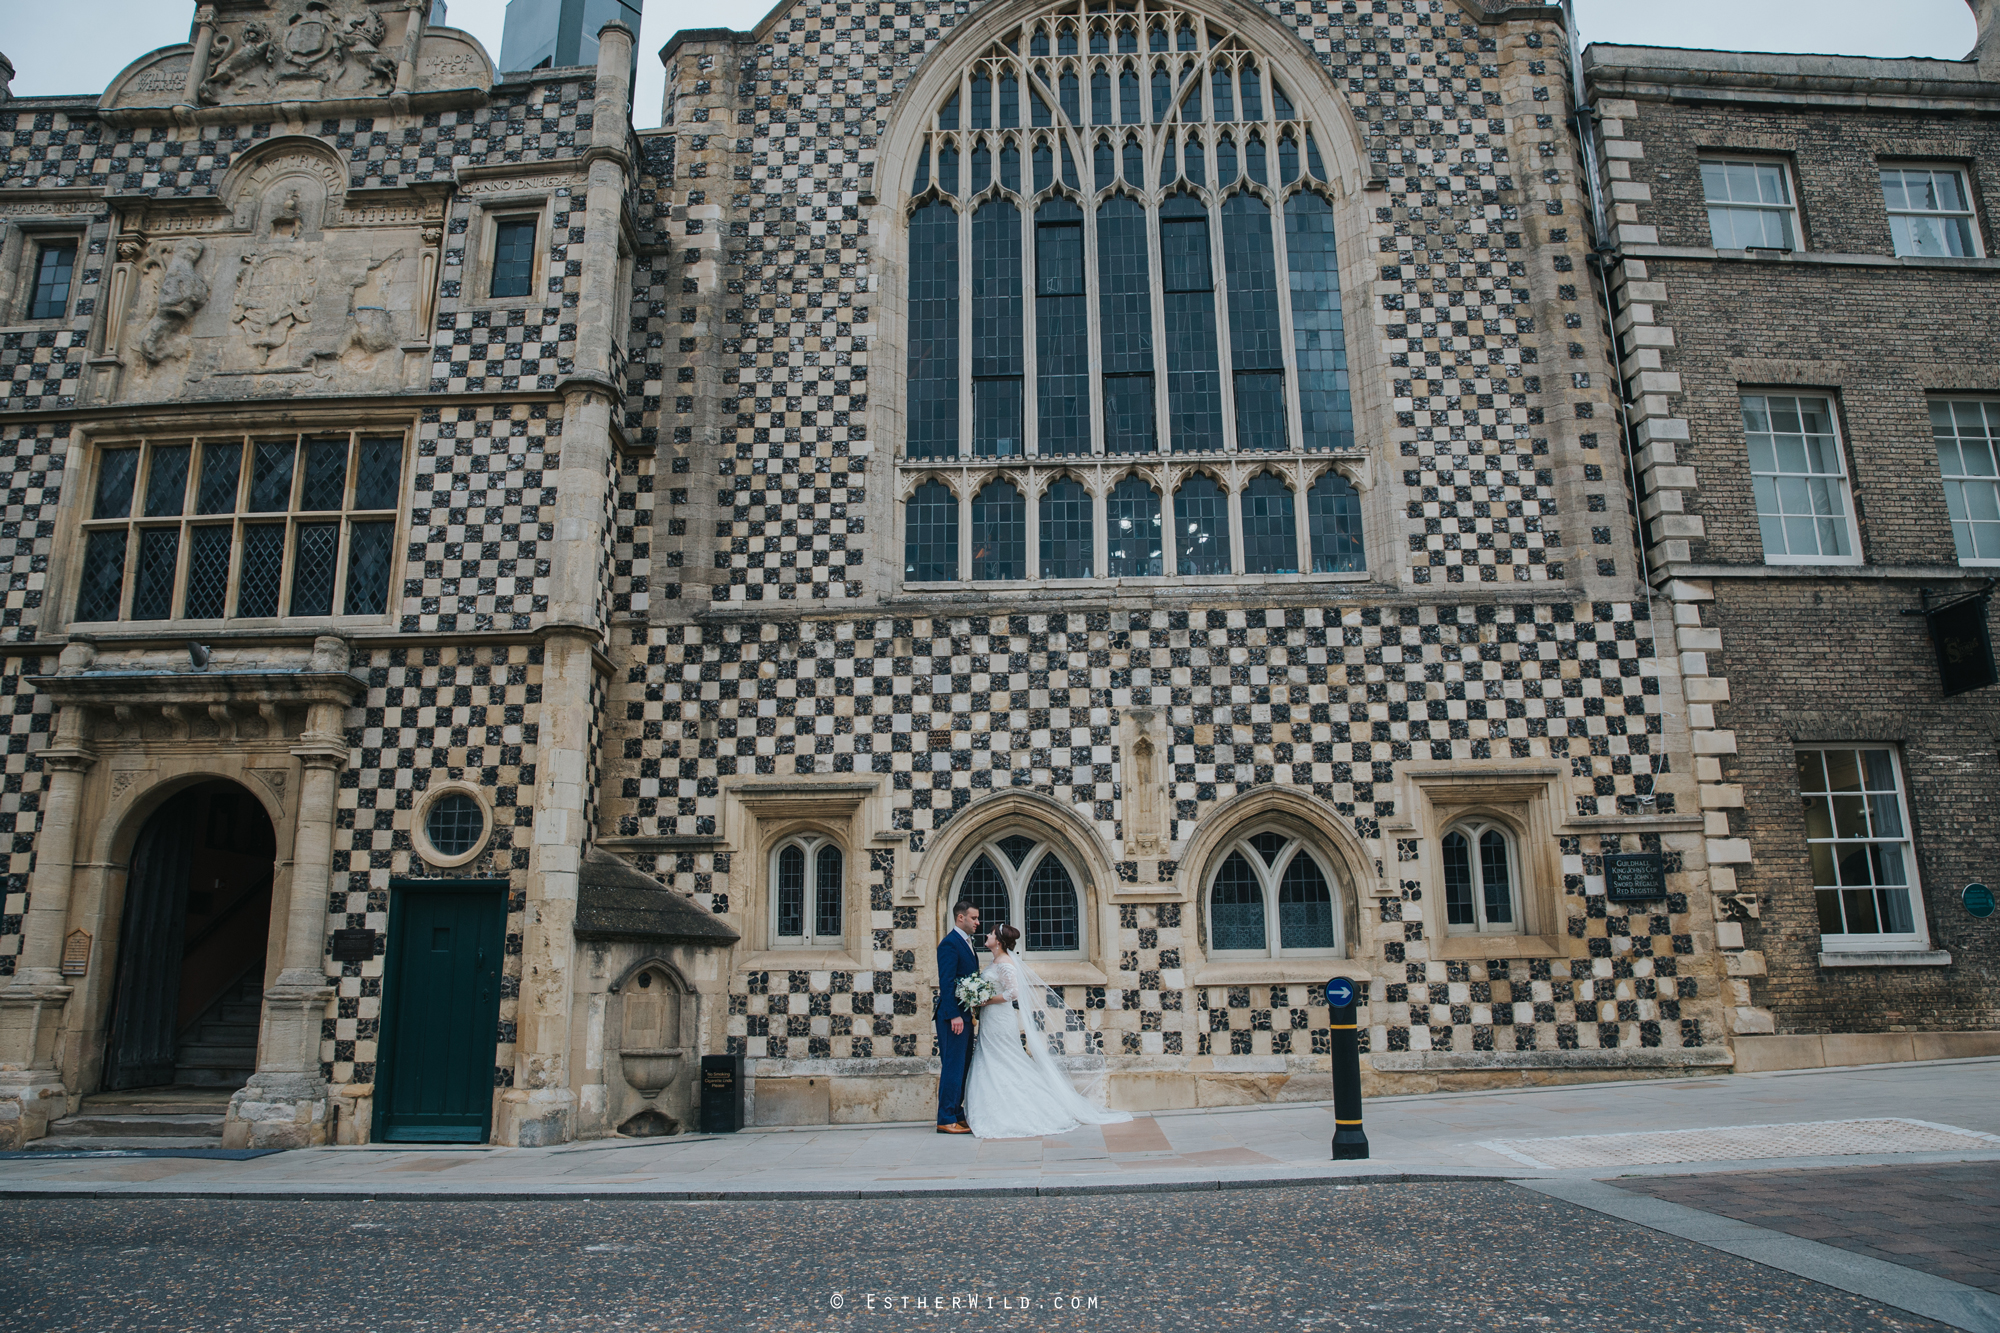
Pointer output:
1811, 562
804, 960
1884, 958
1813, 257
1500, 946
1067, 971
1312, 970
1190, 581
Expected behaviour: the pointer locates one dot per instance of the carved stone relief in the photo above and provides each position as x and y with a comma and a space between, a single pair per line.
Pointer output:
301, 52
307, 297
179, 294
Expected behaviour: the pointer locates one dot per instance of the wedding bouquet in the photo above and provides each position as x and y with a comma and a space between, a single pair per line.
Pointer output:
974, 991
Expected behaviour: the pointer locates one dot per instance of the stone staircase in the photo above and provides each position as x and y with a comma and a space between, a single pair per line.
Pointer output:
173, 1117
219, 1049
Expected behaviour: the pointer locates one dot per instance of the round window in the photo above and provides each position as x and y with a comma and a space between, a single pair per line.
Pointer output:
455, 824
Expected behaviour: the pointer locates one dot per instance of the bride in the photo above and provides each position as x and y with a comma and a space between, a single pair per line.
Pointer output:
1016, 1093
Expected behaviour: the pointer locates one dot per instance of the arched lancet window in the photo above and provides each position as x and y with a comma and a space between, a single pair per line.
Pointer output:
1067, 536
1132, 530
1481, 886
1268, 879
1201, 526
1023, 881
1161, 195
808, 885
1270, 533
930, 534
999, 532
1333, 519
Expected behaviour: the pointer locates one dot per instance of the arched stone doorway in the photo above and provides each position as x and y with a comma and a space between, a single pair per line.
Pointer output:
193, 938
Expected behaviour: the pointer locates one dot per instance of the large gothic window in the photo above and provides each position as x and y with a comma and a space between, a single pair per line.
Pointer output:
1122, 248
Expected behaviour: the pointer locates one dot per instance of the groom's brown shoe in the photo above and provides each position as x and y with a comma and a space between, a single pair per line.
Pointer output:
954, 1129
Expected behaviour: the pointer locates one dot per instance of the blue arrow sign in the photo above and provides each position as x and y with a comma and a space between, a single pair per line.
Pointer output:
1340, 992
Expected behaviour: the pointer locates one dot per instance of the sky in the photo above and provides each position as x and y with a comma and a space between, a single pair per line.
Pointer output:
42, 37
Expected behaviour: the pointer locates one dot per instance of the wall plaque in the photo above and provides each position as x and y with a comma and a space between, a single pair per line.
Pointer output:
1978, 900
76, 953
353, 946
1635, 877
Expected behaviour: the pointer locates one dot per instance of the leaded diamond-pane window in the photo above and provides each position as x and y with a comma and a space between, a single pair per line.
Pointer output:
235, 528
1026, 881
1122, 245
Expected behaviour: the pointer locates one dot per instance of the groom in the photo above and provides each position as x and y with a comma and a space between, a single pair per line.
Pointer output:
956, 959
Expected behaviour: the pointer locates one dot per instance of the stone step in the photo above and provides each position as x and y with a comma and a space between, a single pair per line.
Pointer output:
216, 1055
229, 1076
222, 1034
124, 1144
86, 1125
175, 1101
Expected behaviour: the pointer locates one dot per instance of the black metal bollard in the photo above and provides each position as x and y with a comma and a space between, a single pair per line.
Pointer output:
1350, 1144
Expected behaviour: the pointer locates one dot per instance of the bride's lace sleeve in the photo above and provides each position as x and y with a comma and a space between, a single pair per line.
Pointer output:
1005, 982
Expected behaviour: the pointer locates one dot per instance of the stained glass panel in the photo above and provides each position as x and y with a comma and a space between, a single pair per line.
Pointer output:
1051, 908
930, 534
326, 475
220, 465
1067, 538
263, 566
117, 473
208, 573
792, 892
314, 552
1062, 338
1201, 527
1333, 525
1319, 339
1132, 515
369, 552
166, 480
271, 475
153, 584
933, 358
378, 473
103, 575
1236, 906
996, 331
1194, 382
826, 914
1270, 532
999, 533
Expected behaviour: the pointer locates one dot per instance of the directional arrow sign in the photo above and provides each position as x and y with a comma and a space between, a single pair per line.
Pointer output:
1340, 992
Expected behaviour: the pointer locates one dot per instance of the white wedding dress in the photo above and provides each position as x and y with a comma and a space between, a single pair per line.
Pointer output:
1018, 1090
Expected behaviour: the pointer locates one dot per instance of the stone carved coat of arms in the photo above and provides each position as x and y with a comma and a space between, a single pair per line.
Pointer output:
302, 50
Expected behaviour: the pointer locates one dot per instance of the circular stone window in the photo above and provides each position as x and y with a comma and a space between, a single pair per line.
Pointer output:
455, 826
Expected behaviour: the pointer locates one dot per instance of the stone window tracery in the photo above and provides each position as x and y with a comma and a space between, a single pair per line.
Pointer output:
1121, 244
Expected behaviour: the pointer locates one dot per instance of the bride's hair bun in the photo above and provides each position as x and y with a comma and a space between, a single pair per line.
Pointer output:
1009, 937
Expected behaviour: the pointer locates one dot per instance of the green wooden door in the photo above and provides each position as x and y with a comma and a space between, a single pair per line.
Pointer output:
440, 1011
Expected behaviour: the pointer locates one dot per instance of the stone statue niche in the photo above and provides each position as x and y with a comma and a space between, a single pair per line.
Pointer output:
291, 293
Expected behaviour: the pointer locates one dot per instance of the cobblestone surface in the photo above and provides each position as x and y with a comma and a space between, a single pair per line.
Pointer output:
1361, 1258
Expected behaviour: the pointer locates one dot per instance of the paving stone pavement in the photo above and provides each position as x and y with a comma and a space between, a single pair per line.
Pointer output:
1438, 1134
1943, 1220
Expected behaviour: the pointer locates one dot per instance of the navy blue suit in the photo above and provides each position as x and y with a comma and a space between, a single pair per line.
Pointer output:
955, 960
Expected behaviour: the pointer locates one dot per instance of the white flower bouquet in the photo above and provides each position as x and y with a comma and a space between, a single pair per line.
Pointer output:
974, 991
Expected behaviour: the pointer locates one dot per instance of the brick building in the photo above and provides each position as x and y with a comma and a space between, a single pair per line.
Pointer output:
606, 594
1804, 293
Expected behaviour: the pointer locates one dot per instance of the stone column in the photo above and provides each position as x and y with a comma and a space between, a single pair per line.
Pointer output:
284, 1105
32, 1004
204, 43
541, 1106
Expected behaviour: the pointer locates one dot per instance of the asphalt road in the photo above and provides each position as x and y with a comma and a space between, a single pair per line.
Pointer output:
1482, 1256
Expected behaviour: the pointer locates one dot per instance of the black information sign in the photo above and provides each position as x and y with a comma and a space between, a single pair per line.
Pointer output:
722, 1093
353, 946
1635, 877
1964, 646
